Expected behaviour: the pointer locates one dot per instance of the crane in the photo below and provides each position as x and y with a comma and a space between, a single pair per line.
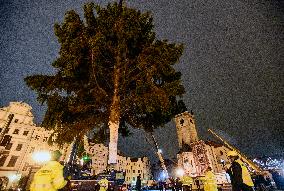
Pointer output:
159, 154
243, 157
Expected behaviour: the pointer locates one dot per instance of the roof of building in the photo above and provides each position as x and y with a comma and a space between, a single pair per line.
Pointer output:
213, 143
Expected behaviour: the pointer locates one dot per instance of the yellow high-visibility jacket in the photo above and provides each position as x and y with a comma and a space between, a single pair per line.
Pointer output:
209, 181
103, 184
245, 174
186, 180
49, 178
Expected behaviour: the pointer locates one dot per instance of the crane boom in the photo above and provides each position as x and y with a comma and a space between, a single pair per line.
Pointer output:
243, 157
157, 150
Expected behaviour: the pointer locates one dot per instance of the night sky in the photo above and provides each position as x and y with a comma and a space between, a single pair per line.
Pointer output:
232, 65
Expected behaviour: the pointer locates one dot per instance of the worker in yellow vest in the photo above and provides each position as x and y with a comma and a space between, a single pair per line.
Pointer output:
103, 184
239, 174
50, 176
209, 180
187, 182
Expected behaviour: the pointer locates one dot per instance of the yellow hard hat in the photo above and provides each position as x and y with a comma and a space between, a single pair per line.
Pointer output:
232, 154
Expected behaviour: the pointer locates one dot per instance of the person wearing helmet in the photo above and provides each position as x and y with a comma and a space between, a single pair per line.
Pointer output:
209, 180
239, 174
50, 176
187, 182
103, 184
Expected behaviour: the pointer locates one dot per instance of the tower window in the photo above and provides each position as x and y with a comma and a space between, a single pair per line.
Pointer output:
16, 131
6, 130
19, 147
26, 133
8, 146
16, 120
181, 121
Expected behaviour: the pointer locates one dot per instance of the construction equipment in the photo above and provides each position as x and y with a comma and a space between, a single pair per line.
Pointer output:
242, 156
159, 153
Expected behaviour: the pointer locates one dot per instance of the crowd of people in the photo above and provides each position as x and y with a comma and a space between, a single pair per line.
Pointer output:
51, 178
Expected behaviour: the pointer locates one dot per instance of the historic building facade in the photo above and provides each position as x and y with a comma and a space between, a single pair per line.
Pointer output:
196, 155
20, 138
132, 167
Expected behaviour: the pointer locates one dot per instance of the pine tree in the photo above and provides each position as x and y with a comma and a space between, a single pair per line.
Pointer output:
111, 72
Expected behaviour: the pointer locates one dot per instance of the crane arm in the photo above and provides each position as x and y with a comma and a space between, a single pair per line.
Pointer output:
159, 154
243, 157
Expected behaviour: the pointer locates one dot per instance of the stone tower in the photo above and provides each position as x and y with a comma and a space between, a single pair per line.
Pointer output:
186, 130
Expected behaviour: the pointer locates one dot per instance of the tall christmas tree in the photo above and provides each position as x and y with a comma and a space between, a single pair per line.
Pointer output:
111, 72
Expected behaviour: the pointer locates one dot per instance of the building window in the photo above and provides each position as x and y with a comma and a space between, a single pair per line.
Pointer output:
133, 171
19, 147
221, 153
26, 133
16, 131
45, 139
133, 178
3, 159
8, 146
191, 121
37, 137
0, 129
138, 171
32, 149
12, 161
6, 130
16, 120
6, 140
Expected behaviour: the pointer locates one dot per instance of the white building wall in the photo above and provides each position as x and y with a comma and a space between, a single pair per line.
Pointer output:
136, 167
131, 166
217, 157
98, 154
187, 163
26, 138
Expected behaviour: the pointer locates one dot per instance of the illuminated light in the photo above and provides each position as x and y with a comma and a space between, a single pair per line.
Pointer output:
41, 156
179, 172
81, 161
163, 175
14, 177
160, 150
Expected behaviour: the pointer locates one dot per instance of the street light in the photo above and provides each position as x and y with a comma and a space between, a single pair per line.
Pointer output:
41, 156
13, 179
179, 172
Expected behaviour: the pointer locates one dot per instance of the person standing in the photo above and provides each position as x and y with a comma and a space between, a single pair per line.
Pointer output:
103, 184
138, 183
178, 184
50, 176
187, 182
239, 174
209, 180
197, 182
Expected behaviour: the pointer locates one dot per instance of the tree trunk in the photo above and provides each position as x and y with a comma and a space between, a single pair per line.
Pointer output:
114, 119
